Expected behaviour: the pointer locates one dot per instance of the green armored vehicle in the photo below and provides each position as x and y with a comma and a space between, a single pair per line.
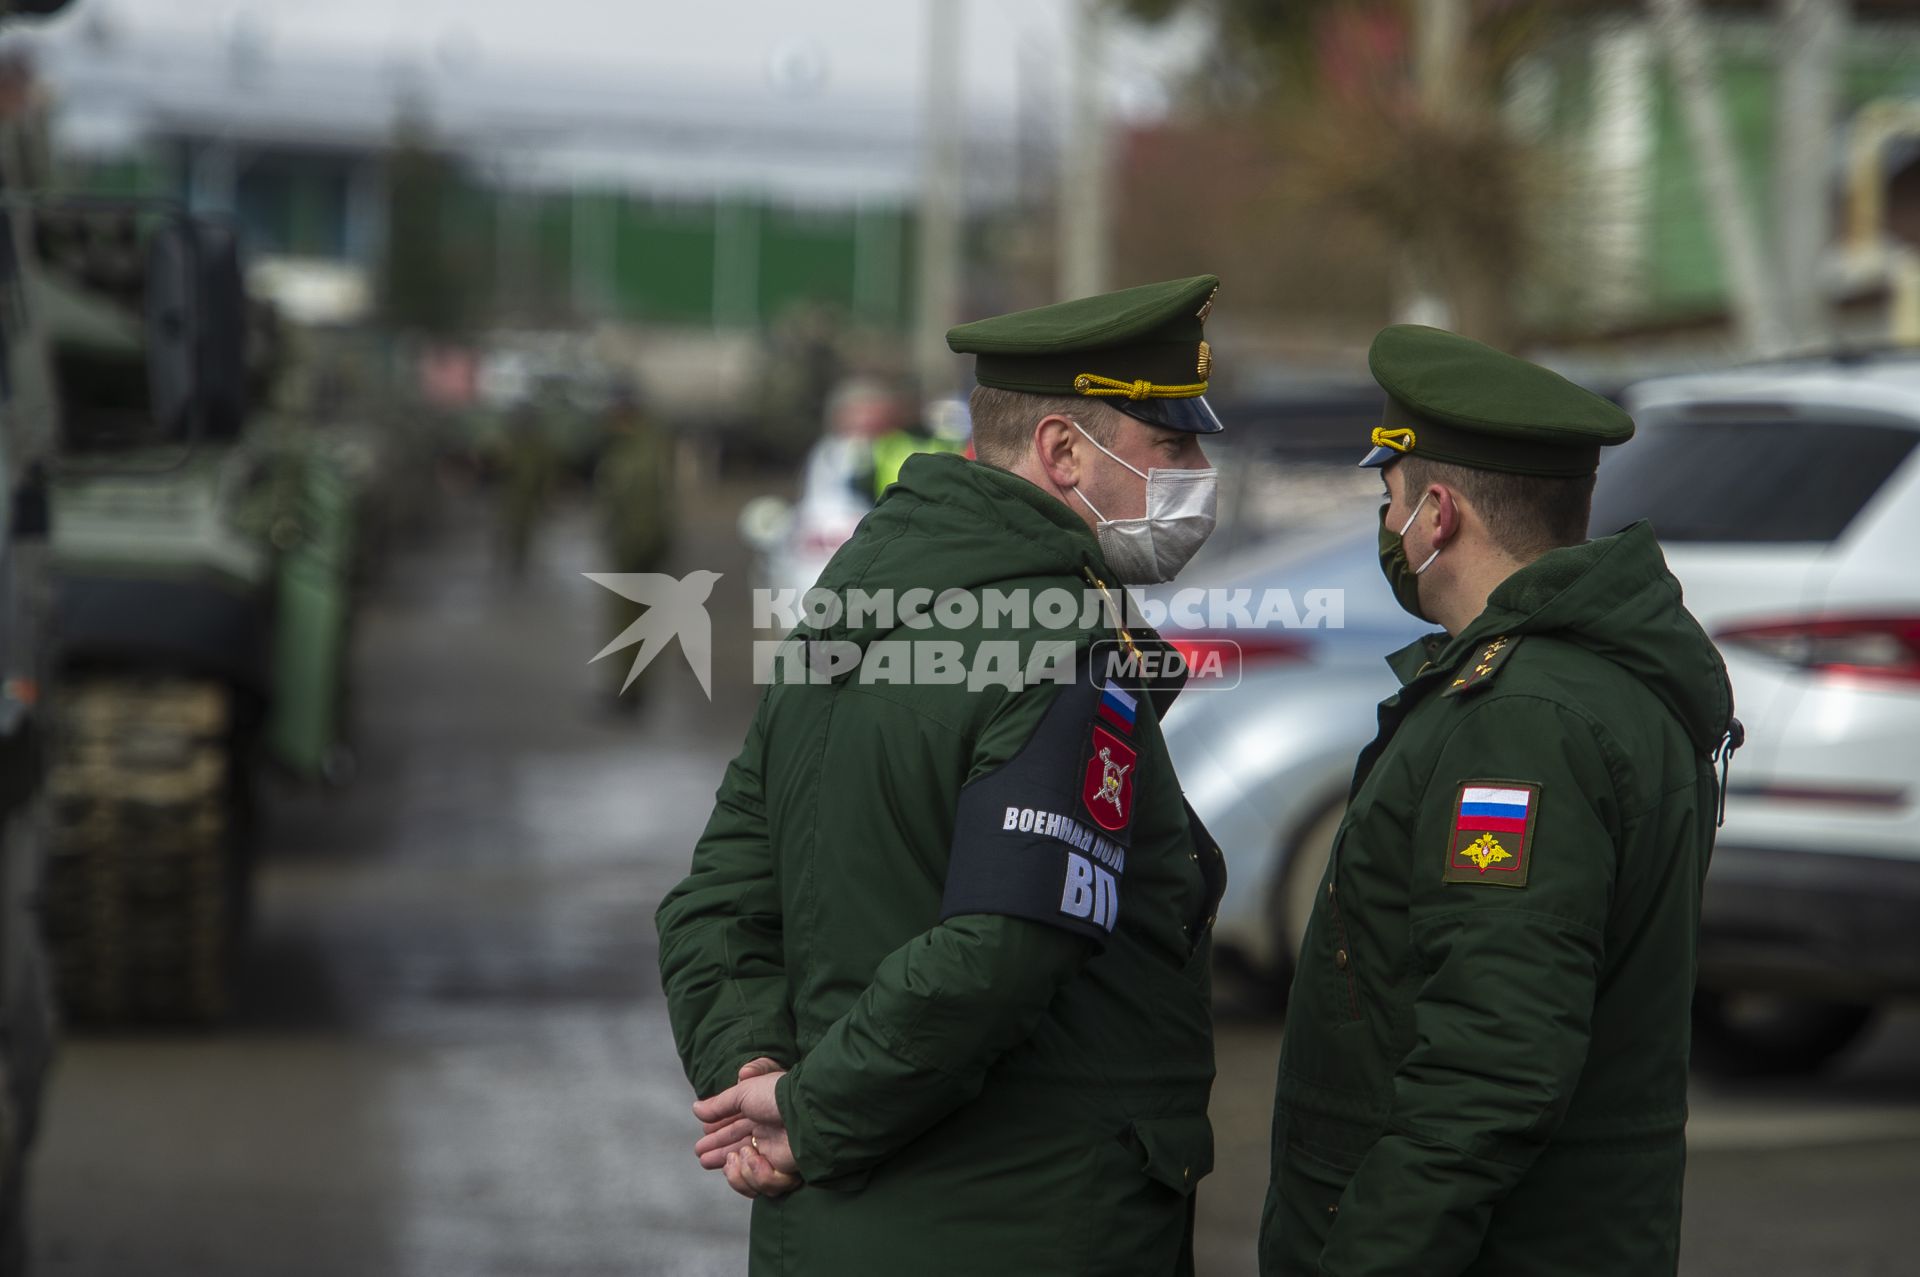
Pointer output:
29, 434
202, 585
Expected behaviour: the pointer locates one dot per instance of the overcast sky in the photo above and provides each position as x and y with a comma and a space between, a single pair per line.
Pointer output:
862, 48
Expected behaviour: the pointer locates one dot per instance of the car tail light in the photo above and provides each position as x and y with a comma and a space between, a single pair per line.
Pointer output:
1880, 648
1883, 796
821, 545
823, 540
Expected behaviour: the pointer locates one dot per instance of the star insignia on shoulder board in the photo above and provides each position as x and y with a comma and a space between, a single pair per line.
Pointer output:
1484, 666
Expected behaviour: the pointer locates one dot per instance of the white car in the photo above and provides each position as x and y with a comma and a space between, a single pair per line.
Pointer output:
1267, 762
1787, 498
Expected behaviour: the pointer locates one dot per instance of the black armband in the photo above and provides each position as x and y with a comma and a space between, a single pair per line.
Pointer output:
1044, 836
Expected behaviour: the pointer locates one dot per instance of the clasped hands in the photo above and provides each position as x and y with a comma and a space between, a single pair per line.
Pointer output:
744, 1135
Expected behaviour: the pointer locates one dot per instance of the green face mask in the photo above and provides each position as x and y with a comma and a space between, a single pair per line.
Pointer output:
1401, 574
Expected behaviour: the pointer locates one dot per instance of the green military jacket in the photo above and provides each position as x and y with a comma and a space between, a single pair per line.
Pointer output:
973, 920
1485, 1061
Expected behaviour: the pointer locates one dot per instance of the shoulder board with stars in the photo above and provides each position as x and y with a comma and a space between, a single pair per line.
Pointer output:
1480, 668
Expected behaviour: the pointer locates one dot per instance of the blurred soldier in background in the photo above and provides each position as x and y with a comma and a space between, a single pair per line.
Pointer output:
945, 428
802, 366
529, 469
633, 507
861, 412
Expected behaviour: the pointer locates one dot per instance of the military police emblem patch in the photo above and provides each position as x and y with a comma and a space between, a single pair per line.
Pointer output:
1108, 792
1492, 832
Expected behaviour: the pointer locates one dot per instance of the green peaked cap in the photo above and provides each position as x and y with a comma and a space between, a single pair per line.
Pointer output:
1453, 399
1142, 350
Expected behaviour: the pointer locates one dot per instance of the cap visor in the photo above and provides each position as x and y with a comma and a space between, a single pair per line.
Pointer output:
1380, 456
1192, 415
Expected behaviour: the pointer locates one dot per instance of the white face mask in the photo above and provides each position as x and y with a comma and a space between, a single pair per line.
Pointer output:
1179, 519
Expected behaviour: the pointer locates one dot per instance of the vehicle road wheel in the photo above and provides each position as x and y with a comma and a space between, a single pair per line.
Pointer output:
15, 1144
1767, 1035
1299, 887
145, 883
13, 1228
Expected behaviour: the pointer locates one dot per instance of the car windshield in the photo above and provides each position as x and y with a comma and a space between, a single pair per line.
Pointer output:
1748, 481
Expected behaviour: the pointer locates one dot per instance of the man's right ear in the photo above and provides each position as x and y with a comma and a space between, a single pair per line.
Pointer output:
1055, 443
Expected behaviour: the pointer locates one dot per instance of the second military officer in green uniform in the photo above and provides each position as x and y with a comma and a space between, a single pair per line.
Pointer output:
941, 964
1485, 1062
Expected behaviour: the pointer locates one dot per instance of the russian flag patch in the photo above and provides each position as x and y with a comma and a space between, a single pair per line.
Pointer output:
1493, 832
1117, 706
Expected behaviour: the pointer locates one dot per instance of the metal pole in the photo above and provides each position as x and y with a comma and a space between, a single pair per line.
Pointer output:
876, 266
1810, 33
502, 249
1754, 291
593, 250
1440, 28
1621, 162
580, 270
1440, 35
736, 263
938, 285
1084, 201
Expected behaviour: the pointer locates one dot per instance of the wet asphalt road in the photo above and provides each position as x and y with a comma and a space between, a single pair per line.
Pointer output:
453, 1056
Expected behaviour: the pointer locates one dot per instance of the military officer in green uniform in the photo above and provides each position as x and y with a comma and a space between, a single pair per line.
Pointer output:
1485, 1062
941, 964
942, 429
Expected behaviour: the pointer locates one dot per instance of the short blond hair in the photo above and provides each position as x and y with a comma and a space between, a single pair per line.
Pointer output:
1003, 422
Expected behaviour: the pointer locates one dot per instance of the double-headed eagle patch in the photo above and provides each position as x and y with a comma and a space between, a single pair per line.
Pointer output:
1492, 832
